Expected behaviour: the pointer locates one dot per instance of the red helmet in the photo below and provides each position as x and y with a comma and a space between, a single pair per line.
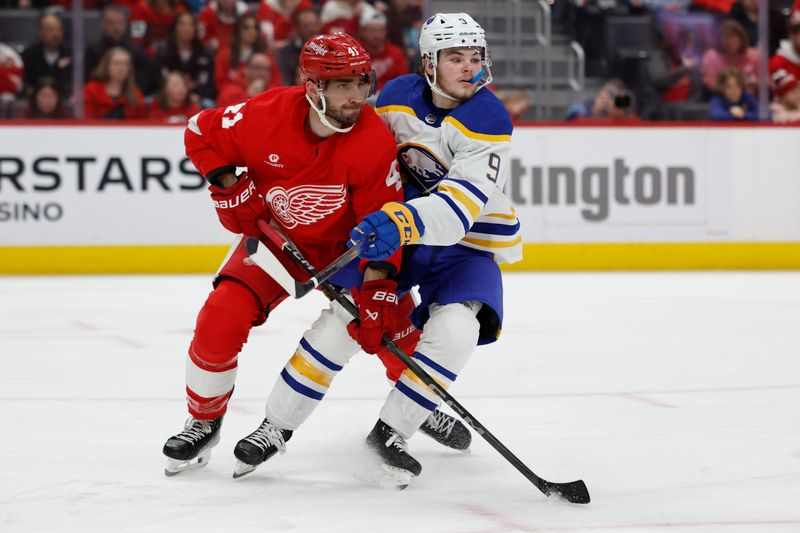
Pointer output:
333, 55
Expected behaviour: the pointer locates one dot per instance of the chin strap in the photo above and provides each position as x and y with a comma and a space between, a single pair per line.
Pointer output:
322, 116
435, 88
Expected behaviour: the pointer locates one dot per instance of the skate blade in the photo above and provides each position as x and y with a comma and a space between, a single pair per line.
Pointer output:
176, 466
386, 477
242, 469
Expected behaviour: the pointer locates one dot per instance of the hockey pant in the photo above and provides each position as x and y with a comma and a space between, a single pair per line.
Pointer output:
447, 342
242, 298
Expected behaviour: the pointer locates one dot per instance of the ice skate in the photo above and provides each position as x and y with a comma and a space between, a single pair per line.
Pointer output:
447, 430
396, 466
259, 446
191, 448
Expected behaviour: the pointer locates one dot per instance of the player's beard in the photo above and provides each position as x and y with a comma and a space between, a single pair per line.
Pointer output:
345, 115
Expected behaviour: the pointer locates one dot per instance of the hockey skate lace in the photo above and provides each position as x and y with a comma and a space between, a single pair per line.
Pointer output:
397, 441
267, 435
441, 423
194, 430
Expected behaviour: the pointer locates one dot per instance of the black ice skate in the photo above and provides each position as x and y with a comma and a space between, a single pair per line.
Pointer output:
447, 430
397, 466
191, 448
259, 446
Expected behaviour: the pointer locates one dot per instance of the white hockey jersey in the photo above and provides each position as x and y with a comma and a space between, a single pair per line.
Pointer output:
460, 157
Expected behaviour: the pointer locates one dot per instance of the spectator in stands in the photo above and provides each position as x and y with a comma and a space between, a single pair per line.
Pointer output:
307, 25
787, 58
173, 103
786, 105
735, 52
614, 102
745, 12
185, 53
150, 22
114, 33
341, 16
732, 101
49, 57
257, 78
44, 102
229, 67
11, 73
112, 93
216, 22
388, 60
516, 102
673, 75
277, 19
403, 22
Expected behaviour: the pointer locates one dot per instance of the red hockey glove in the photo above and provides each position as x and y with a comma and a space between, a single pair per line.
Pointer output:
239, 206
377, 304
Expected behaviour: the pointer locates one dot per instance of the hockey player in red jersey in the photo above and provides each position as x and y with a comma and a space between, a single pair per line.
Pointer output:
317, 161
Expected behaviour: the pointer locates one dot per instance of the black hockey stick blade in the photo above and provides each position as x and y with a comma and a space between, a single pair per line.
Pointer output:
573, 492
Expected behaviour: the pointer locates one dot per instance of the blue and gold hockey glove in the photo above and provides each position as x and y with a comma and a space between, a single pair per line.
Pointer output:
390, 228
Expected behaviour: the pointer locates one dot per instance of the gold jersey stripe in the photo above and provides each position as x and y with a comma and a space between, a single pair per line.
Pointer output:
397, 109
493, 244
473, 135
466, 201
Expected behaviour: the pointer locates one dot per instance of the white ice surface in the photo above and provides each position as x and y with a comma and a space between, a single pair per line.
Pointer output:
676, 397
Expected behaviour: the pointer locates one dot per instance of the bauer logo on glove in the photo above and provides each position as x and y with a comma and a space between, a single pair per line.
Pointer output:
239, 199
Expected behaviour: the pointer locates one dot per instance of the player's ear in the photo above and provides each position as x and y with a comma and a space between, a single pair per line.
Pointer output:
426, 64
312, 90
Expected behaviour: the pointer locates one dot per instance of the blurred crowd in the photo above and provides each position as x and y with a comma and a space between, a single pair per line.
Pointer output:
687, 59
167, 59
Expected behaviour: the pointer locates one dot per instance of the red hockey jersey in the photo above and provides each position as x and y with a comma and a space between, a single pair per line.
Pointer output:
316, 189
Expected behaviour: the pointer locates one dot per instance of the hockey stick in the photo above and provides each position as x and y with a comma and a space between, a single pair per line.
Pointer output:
272, 266
574, 491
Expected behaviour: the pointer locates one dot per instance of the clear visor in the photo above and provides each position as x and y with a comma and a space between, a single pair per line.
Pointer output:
355, 88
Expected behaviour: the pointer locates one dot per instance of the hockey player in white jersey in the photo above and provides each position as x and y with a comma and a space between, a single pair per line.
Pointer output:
453, 144
453, 147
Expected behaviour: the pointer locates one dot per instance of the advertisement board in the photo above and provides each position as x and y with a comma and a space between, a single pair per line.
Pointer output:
126, 199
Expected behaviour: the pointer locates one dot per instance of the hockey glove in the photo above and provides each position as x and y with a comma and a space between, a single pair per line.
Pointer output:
394, 225
377, 305
239, 206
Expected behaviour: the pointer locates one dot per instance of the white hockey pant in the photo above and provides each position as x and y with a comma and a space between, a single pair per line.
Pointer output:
323, 350
448, 340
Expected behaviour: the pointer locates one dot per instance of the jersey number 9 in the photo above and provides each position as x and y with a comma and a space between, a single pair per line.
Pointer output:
494, 167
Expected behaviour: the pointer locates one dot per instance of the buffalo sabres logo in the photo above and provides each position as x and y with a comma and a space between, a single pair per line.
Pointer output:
418, 162
305, 204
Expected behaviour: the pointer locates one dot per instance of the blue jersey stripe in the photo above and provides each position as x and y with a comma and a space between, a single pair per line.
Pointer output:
454, 207
471, 188
318, 356
436, 366
414, 395
494, 229
299, 387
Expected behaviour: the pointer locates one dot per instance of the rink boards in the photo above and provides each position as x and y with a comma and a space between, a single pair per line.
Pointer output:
113, 199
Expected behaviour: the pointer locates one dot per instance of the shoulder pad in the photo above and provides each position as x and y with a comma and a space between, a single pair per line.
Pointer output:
399, 91
482, 117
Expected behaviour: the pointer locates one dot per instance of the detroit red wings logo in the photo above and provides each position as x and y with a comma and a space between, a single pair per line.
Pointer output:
305, 204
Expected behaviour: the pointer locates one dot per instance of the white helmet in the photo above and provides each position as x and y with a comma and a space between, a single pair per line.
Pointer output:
453, 30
